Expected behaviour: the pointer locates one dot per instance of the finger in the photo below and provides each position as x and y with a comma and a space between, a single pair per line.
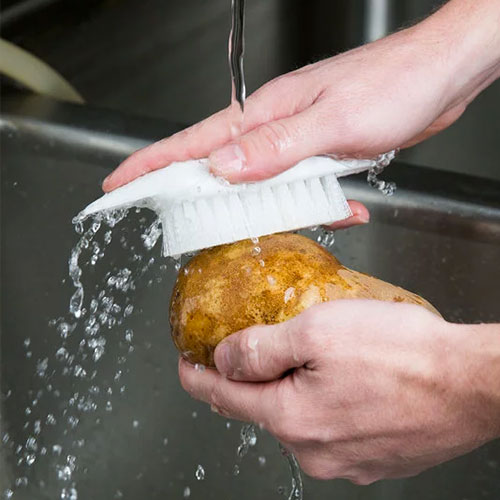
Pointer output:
249, 402
263, 353
271, 148
194, 142
360, 215
199, 140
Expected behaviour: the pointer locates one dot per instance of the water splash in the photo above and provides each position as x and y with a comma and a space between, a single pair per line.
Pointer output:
152, 234
248, 439
381, 162
297, 491
93, 313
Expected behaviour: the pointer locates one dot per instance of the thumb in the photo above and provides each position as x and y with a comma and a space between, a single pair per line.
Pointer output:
262, 353
270, 148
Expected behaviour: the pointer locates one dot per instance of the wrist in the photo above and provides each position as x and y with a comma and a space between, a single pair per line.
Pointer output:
476, 373
466, 41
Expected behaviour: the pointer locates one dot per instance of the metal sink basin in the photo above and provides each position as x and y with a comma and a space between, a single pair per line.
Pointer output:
439, 236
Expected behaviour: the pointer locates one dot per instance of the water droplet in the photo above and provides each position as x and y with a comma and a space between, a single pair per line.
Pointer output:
27, 342
57, 449
194, 414
78, 227
129, 334
73, 421
200, 473
8, 494
262, 461
79, 371
69, 494
289, 294
107, 237
256, 251
109, 406
326, 238
98, 352
271, 280
236, 470
187, 492
165, 441
76, 301
135, 424
152, 234
21, 481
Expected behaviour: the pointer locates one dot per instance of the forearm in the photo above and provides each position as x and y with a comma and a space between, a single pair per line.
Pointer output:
466, 37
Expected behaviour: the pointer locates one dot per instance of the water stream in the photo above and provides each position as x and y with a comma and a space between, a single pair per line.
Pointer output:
236, 53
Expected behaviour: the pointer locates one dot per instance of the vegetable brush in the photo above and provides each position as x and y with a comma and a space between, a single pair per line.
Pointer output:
198, 210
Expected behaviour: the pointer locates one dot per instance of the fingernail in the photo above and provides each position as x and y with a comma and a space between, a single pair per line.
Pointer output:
364, 218
227, 160
223, 360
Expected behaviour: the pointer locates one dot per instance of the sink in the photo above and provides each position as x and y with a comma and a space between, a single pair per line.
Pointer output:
438, 236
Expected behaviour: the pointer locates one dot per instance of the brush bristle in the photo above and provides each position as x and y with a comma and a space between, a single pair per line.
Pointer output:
254, 212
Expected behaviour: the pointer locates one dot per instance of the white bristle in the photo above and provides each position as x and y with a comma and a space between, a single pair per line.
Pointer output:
255, 212
198, 210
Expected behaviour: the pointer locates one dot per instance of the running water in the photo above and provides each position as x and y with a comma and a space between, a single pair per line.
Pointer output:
297, 490
236, 53
238, 95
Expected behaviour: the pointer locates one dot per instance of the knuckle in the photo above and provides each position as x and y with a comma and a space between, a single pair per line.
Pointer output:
216, 400
311, 326
273, 88
274, 136
248, 353
218, 403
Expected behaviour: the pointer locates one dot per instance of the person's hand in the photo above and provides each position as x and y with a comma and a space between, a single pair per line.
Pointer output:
358, 389
388, 94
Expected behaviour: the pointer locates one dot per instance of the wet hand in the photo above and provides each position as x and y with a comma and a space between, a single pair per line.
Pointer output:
388, 94
361, 390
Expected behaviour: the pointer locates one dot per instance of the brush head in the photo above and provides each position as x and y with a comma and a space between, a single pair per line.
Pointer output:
198, 210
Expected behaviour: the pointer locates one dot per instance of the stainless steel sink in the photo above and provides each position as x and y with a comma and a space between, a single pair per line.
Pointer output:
439, 236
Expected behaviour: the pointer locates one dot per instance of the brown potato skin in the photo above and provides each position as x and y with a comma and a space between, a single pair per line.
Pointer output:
228, 288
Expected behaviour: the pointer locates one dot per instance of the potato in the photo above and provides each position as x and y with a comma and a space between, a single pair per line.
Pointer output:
227, 288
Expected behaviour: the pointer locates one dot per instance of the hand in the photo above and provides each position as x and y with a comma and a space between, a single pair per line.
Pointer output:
388, 94
358, 389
